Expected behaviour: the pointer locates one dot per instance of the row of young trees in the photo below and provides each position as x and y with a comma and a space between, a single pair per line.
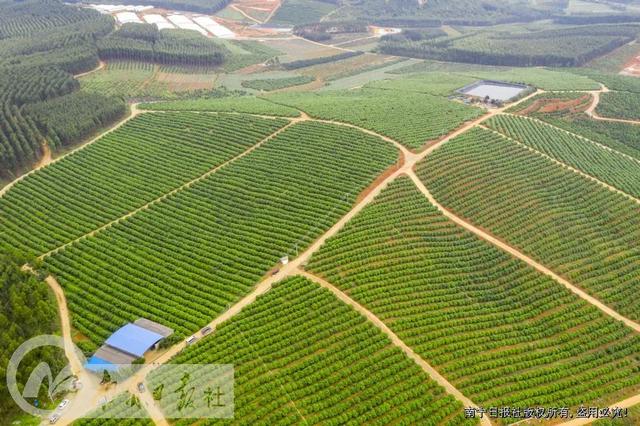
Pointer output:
562, 47
143, 42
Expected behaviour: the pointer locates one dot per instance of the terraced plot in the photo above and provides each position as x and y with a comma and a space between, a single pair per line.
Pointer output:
574, 226
144, 159
499, 331
184, 260
303, 357
412, 119
610, 167
245, 104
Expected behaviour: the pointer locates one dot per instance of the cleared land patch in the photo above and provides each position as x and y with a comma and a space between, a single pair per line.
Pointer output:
502, 333
579, 229
144, 159
302, 356
412, 119
184, 260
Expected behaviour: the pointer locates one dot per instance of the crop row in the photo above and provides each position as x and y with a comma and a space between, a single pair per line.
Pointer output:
576, 227
623, 105
124, 410
412, 119
242, 104
501, 332
184, 260
611, 167
146, 158
302, 356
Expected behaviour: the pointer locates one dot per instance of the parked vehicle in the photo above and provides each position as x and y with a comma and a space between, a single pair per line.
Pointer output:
54, 418
206, 330
63, 404
191, 340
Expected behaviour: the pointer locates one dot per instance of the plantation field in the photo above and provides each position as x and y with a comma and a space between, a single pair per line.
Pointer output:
619, 105
498, 330
268, 85
123, 410
615, 82
566, 111
412, 119
574, 226
541, 78
436, 83
302, 356
126, 79
244, 104
296, 12
622, 137
142, 160
610, 167
184, 260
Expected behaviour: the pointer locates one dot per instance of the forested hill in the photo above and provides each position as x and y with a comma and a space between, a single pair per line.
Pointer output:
27, 309
43, 43
433, 12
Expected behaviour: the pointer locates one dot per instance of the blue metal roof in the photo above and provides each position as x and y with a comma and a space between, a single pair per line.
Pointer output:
98, 365
133, 339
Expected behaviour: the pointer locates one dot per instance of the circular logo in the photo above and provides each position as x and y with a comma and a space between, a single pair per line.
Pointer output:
41, 373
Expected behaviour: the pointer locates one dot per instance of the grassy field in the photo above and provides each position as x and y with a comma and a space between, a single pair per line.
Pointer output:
184, 260
413, 119
579, 229
502, 333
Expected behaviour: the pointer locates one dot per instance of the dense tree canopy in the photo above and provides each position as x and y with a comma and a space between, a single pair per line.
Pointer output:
27, 309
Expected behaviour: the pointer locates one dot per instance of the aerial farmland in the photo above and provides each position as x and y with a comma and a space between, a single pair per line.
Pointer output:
320, 212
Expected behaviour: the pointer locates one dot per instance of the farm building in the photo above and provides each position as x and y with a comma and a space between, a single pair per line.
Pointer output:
128, 344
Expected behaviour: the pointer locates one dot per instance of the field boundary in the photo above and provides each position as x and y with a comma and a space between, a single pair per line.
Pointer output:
172, 192
395, 340
564, 165
519, 255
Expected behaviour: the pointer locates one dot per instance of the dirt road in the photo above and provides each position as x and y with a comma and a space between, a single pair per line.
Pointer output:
101, 65
591, 111
395, 340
